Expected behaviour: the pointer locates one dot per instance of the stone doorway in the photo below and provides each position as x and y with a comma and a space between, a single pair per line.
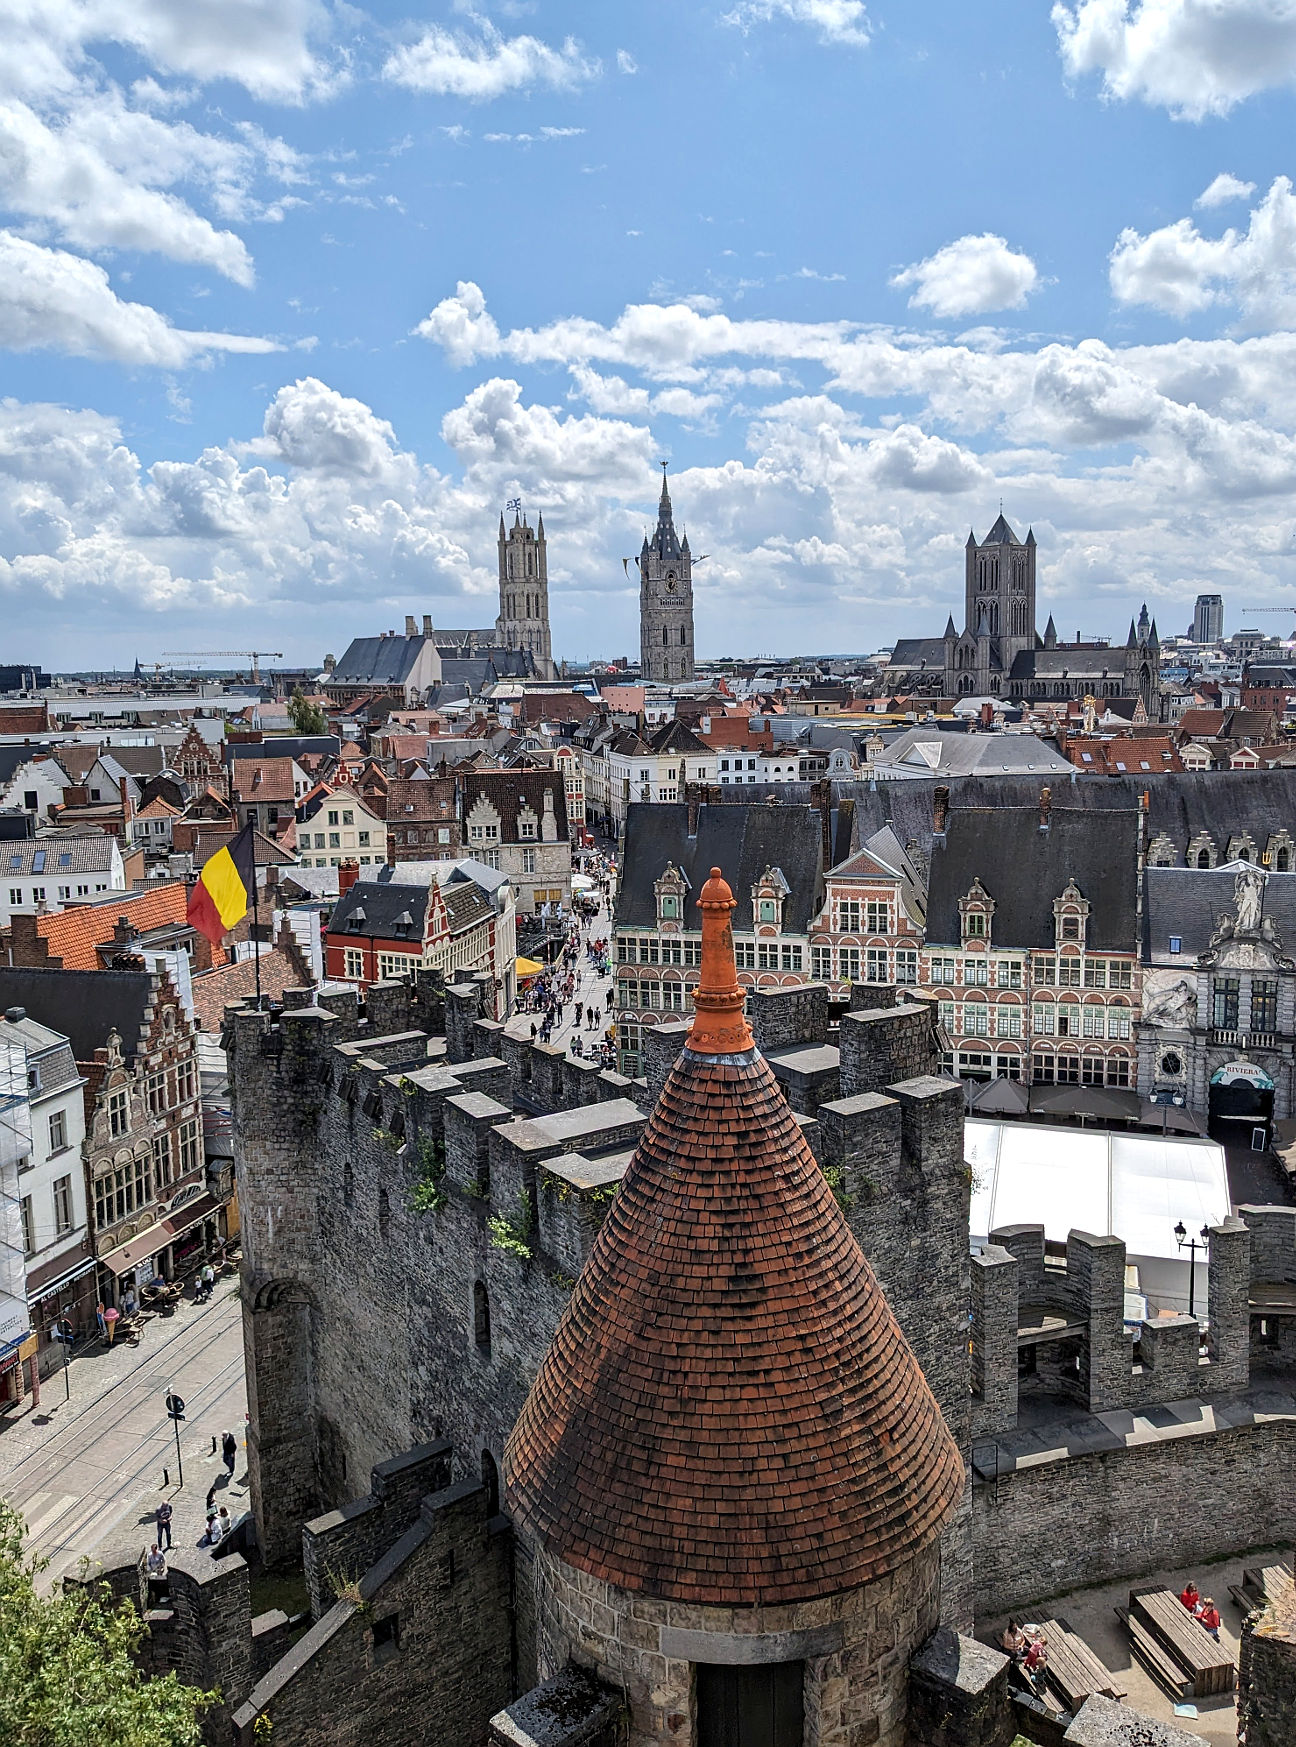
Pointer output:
750, 1707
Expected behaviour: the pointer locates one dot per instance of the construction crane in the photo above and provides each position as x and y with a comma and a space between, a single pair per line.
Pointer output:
212, 654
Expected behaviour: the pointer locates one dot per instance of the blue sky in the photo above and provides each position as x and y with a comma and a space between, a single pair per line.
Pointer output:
293, 297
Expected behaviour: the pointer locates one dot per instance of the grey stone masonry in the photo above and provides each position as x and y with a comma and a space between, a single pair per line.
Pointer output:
780, 1018
417, 1651
342, 1545
661, 1047
1073, 1312
958, 1694
571, 1710
809, 1075
1101, 1722
1267, 1675
883, 1045
994, 1341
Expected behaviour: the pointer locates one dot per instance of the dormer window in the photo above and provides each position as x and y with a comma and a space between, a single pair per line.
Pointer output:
975, 913
1071, 916
767, 910
670, 907
974, 925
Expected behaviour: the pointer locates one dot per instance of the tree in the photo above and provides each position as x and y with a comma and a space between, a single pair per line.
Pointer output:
66, 1674
307, 718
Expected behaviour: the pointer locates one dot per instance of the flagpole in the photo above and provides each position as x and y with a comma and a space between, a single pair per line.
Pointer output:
256, 919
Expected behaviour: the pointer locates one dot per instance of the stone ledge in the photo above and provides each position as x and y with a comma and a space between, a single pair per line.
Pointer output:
1101, 1722
749, 1648
571, 1710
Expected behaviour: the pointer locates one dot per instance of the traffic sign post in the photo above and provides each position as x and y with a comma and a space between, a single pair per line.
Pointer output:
175, 1413
62, 1333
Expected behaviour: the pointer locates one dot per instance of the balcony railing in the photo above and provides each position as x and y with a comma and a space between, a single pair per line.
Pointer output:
1244, 1039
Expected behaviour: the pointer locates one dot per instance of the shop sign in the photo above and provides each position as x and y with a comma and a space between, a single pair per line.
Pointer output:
1237, 1073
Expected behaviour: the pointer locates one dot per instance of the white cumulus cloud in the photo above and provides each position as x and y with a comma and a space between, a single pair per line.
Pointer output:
833, 21
1179, 271
453, 64
971, 276
1193, 57
1223, 190
52, 299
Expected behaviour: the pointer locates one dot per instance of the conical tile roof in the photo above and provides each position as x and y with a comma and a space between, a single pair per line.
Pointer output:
728, 1413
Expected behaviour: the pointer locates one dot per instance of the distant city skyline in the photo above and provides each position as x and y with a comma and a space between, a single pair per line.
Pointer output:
289, 313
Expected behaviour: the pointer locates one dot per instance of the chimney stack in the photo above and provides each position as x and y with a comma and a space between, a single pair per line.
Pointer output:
427, 624
348, 874
410, 630
1045, 807
940, 809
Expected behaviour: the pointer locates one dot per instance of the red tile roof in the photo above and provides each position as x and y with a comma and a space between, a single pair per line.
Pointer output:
72, 935
729, 1414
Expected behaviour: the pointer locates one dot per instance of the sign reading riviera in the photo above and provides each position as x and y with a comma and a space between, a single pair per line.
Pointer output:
1233, 1073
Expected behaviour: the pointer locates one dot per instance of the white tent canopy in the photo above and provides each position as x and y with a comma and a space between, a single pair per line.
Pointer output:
1136, 1187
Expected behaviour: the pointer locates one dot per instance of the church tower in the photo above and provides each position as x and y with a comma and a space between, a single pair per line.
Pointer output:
523, 621
999, 609
665, 599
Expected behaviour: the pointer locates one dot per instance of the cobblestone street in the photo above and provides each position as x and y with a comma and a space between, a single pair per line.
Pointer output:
87, 1472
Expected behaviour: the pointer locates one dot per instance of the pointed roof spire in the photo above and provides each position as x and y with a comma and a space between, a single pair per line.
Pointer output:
540, 526
1050, 634
1131, 642
1030, 537
1001, 534
971, 539
950, 632
502, 534
1143, 623
729, 1414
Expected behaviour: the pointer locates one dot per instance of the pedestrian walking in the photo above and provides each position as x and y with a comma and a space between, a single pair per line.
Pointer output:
163, 1515
229, 1451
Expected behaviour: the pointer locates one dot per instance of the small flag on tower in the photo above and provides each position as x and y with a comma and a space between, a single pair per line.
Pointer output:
220, 899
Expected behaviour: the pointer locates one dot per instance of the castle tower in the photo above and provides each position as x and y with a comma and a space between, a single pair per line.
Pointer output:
665, 599
730, 1473
523, 621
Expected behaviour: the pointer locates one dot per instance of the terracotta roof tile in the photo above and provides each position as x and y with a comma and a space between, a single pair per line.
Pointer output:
72, 935
729, 1413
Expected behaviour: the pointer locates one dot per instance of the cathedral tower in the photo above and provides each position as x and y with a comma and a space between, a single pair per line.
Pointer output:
999, 608
523, 621
665, 599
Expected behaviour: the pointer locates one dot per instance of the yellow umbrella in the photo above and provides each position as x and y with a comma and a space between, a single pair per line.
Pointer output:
527, 967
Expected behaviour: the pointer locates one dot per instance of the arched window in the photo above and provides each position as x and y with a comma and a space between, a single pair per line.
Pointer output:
490, 1480
481, 1317
683, 637
1282, 860
1203, 858
665, 638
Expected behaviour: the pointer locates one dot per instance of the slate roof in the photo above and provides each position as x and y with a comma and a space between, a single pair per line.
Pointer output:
378, 661
1001, 534
57, 856
961, 754
728, 1413
1025, 869
50, 1048
744, 839
84, 1005
918, 652
1188, 902
380, 908
1070, 661
12, 759
508, 790
283, 746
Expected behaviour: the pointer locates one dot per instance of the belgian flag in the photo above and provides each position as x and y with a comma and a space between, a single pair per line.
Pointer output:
224, 889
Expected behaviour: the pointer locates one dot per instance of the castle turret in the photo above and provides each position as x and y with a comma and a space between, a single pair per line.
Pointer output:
730, 1471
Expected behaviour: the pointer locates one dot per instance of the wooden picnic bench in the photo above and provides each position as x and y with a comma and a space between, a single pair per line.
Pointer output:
1158, 1662
1185, 1639
1073, 1669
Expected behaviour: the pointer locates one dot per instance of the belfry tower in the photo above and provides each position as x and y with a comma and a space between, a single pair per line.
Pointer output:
523, 621
665, 599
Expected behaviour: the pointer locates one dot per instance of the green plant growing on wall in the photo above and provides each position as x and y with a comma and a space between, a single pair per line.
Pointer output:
512, 1233
835, 1178
427, 1195
389, 1138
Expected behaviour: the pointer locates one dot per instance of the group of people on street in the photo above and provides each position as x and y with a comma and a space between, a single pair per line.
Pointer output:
556, 992
1202, 1608
219, 1520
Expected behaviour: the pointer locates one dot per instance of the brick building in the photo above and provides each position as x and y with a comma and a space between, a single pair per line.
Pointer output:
150, 1205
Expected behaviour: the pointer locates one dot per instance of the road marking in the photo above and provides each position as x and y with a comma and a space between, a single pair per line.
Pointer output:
36, 1524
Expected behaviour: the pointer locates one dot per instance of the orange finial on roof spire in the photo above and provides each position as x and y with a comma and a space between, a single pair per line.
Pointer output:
719, 1027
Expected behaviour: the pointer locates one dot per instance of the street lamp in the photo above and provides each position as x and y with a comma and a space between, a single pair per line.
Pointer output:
1192, 1246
